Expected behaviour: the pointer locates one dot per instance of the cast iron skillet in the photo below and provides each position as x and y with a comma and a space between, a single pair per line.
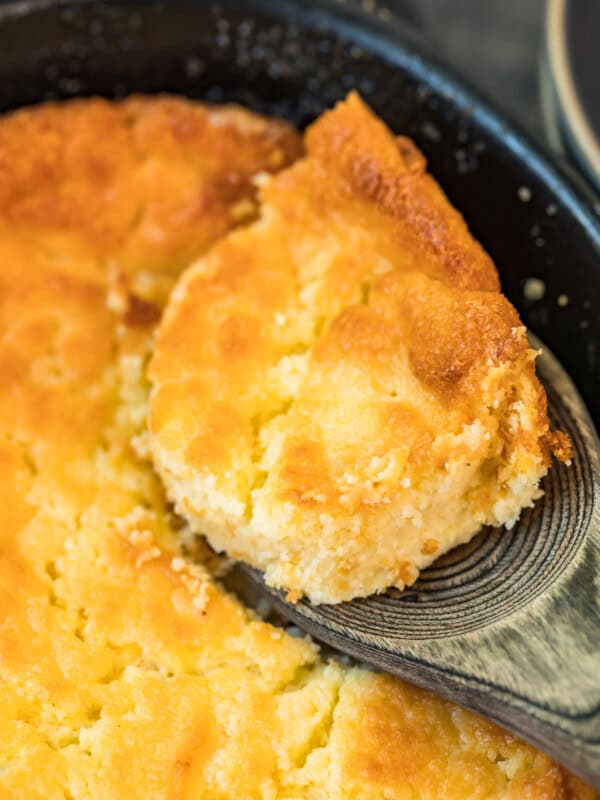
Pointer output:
284, 58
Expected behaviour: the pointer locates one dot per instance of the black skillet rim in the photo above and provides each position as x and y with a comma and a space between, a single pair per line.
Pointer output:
402, 46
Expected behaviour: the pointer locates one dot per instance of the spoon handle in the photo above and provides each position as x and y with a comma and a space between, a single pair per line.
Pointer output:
538, 676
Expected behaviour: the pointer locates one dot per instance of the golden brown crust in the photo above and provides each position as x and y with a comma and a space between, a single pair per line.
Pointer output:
560, 445
324, 373
390, 175
151, 182
470, 756
125, 670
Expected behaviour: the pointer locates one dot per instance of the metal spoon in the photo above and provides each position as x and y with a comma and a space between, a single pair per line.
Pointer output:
508, 624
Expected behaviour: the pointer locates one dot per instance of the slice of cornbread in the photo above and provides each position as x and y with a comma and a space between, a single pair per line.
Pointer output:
126, 672
341, 393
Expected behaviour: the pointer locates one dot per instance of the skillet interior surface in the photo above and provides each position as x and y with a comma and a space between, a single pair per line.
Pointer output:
291, 60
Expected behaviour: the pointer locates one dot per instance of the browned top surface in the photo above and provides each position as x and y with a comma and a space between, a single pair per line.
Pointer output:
151, 182
125, 672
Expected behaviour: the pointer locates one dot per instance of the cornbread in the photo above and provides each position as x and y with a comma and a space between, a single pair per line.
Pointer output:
126, 671
340, 391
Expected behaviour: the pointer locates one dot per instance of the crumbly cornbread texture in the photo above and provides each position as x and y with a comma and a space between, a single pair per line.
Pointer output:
126, 672
341, 393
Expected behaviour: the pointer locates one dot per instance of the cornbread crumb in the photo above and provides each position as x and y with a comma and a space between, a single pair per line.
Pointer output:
124, 676
340, 391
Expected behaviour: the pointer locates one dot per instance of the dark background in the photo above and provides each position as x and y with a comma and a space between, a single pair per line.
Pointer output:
495, 44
